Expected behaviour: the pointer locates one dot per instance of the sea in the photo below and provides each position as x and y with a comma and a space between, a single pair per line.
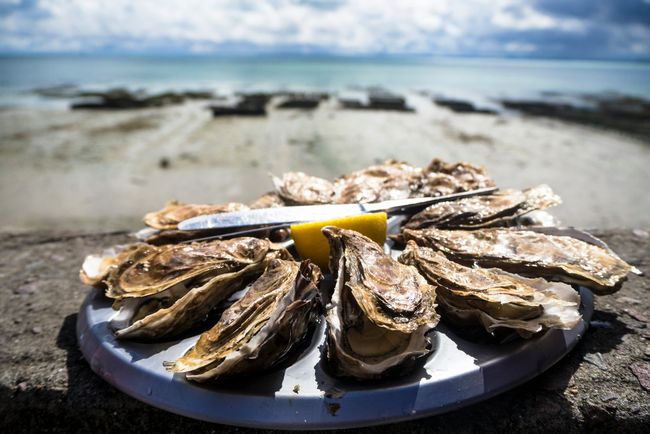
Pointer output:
476, 79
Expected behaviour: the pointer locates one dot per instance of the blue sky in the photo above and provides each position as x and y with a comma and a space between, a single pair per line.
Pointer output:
590, 29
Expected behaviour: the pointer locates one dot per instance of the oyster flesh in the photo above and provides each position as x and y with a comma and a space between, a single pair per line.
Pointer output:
258, 330
164, 291
501, 208
95, 268
380, 313
175, 212
531, 253
494, 298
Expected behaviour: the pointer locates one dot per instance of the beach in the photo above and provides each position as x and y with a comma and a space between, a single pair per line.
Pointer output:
102, 170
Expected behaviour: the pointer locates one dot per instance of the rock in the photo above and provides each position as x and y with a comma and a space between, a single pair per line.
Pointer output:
248, 105
120, 98
378, 99
641, 371
21, 387
597, 360
301, 101
630, 115
609, 397
164, 163
629, 300
636, 315
460, 106
37, 330
641, 233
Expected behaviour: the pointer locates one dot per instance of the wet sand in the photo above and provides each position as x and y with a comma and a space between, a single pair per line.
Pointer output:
100, 170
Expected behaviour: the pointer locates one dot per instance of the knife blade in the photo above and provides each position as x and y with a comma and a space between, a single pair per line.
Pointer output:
305, 213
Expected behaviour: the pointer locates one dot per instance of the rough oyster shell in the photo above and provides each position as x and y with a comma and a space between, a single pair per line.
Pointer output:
389, 180
164, 291
175, 212
380, 312
267, 200
498, 209
258, 330
469, 176
531, 253
494, 298
298, 188
150, 269
95, 268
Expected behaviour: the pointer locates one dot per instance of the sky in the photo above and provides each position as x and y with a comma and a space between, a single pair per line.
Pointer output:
580, 29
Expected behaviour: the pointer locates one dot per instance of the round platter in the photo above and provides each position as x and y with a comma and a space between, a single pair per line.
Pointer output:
303, 396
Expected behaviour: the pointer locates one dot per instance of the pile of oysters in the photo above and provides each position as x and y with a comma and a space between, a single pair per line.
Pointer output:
493, 263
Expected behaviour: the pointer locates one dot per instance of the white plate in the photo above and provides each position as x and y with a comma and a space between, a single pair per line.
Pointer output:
303, 395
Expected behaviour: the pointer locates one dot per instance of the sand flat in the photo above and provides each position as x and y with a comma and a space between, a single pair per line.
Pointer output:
100, 169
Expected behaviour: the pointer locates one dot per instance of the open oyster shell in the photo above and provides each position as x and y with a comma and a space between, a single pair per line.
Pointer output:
494, 298
380, 313
531, 253
95, 268
164, 291
501, 208
258, 330
175, 212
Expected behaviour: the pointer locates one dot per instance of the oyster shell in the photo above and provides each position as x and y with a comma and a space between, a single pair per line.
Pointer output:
494, 298
95, 268
531, 253
258, 330
469, 176
267, 200
380, 312
175, 212
498, 209
389, 180
163, 291
298, 188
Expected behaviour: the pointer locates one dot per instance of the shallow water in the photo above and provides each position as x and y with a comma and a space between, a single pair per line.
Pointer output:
476, 79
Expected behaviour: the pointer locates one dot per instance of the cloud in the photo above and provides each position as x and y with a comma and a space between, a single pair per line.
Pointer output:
579, 28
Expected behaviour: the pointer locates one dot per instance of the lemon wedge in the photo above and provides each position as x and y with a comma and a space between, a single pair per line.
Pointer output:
312, 244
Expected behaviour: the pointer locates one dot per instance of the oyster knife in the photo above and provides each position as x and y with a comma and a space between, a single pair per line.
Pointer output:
305, 213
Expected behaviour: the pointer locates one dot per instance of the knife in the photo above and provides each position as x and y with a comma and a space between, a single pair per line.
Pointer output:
288, 215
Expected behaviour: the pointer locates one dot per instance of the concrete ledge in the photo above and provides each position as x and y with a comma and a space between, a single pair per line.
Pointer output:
46, 385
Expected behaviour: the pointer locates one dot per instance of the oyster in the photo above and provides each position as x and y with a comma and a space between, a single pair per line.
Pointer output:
95, 268
258, 330
390, 180
531, 253
164, 291
267, 200
498, 209
298, 188
494, 298
175, 212
380, 313
469, 176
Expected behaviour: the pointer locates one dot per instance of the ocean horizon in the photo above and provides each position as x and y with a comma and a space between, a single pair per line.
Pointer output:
476, 79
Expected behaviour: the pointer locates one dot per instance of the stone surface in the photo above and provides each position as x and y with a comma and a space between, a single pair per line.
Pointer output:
46, 385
